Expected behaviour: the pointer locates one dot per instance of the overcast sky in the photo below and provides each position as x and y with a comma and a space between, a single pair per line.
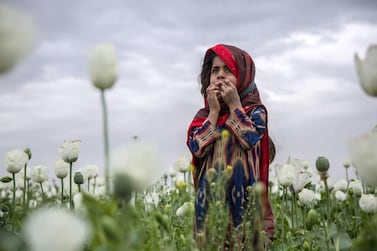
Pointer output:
305, 71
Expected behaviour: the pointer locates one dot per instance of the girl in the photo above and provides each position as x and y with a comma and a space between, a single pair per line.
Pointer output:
230, 132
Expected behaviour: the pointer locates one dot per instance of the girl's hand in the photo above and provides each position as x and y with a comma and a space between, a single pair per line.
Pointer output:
229, 93
213, 92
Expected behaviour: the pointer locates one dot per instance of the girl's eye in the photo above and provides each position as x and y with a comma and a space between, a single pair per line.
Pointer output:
214, 70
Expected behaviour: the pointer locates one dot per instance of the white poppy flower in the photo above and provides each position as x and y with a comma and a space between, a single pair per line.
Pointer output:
356, 186
298, 163
100, 181
182, 164
39, 174
340, 196
15, 160
33, 204
346, 163
273, 183
368, 203
301, 179
100, 191
91, 171
306, 196
180, 182
364, 157
341, 185
172, 172
139, 161
19, 194
286, 175
78, 203
317, 196
103, 66
367, 70
185, 209
17, 32
70, 150
61, 168
56, 229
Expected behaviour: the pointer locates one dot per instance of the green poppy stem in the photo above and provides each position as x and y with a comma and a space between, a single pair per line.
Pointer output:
326, 237
293, 203
24, 198
14, 202
62, 190
94, 184
28, 195
106, 141
43, 195
327, 198
303, 216
70, 186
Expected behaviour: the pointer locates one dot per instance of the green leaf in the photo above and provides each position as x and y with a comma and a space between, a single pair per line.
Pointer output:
332, 230
342, 241
6, 179
288, 218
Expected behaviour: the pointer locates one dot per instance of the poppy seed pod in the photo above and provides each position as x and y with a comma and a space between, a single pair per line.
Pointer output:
306, 245
78, 178
123, 186
312, 218
322, 164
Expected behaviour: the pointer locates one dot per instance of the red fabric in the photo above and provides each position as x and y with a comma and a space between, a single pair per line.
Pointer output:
227, 57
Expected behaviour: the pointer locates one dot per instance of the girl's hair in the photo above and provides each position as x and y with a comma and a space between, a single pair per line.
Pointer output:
205, 74
272, 149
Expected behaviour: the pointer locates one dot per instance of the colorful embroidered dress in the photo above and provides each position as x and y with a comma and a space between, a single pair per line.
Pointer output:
245, 148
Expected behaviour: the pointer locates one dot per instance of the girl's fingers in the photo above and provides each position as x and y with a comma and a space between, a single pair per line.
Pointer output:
226, 82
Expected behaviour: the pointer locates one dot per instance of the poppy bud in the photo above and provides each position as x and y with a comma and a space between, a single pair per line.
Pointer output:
322, 164
28, 152
78, 178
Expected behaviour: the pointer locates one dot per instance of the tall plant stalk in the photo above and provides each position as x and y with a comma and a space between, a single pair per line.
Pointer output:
62, 190
70, 186
43, 195
24, 198
14, 201
106, 141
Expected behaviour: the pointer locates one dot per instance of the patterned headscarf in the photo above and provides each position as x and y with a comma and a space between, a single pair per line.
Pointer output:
242, 66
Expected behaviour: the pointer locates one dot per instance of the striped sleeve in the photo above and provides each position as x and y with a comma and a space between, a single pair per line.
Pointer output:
248, 128
201, 139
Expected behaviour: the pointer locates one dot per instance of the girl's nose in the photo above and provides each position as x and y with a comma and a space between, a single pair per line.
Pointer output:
220, 74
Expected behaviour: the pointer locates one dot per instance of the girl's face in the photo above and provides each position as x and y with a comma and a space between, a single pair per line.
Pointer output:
221, 72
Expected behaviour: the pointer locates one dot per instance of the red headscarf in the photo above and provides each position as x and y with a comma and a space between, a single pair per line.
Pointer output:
242, 66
